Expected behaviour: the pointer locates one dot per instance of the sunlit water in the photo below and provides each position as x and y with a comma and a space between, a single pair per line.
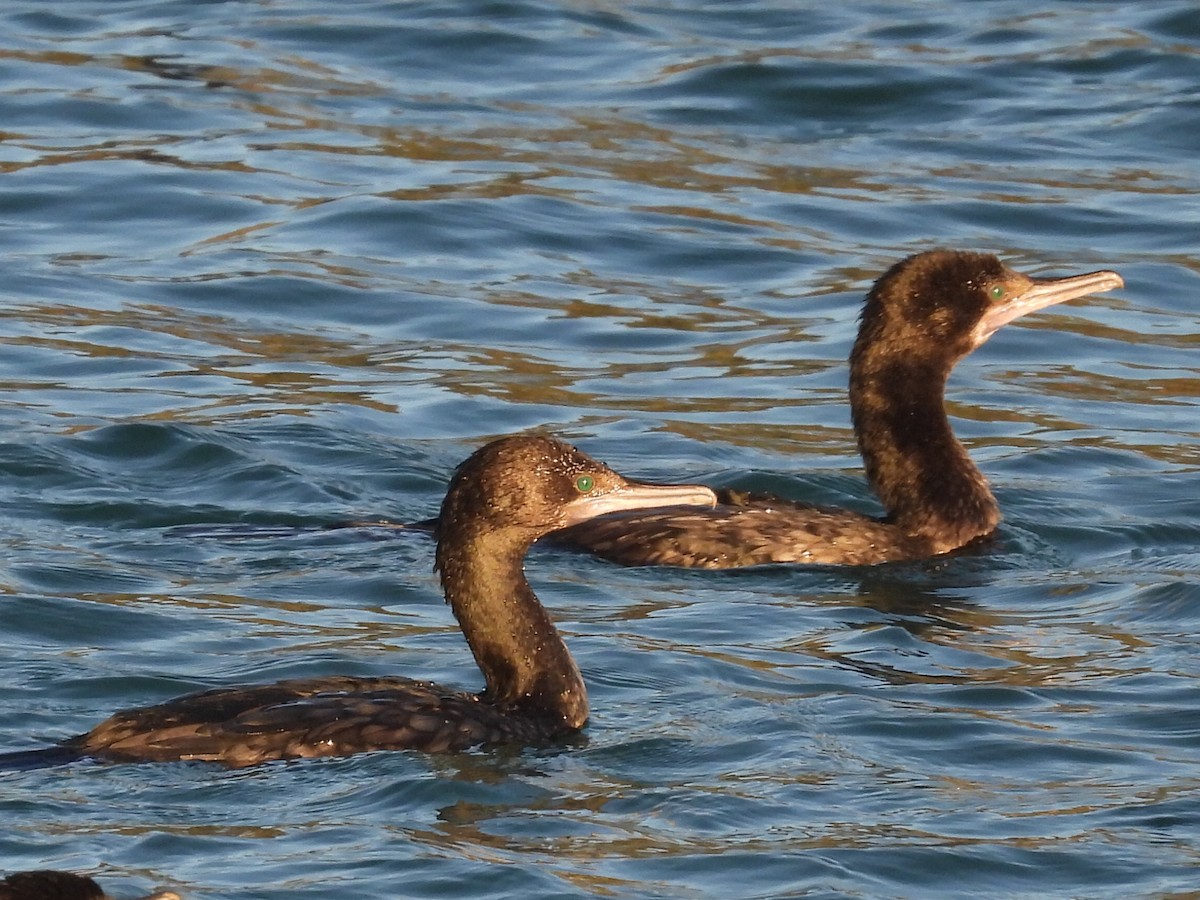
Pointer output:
280, 263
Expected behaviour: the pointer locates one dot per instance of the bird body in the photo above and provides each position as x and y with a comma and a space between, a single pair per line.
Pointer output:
306, 718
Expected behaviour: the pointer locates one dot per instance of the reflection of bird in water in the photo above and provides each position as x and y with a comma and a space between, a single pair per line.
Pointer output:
502, 499
49, 885
921, 317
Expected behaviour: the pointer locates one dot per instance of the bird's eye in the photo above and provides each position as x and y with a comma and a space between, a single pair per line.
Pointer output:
997, 292
584, 483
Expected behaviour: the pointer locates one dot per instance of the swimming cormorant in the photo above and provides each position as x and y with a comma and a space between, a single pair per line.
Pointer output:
921, 317
503, 498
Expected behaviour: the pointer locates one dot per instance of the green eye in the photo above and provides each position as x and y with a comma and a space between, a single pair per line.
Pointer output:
584, 483
997, 292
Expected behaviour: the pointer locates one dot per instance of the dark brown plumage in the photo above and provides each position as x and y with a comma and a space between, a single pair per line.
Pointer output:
45, 884
503, 498
921, 317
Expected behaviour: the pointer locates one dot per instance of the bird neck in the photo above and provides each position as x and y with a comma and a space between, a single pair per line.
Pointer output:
928, 484
524, 661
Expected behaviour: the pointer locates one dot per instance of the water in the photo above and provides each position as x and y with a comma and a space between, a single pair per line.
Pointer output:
276, 264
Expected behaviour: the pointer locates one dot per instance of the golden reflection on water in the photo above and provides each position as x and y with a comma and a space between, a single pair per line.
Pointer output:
254, 364
553, 149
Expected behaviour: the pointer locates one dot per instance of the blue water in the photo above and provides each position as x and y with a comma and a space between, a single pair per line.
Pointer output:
282, 263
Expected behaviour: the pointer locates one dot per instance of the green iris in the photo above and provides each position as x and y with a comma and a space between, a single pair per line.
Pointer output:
584, 483
997, 292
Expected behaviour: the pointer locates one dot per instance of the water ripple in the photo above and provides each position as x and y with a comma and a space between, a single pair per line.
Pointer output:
279, 265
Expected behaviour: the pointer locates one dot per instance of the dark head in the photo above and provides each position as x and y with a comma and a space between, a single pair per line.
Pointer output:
529, 485
942, 304
50, 885
502, 499
46, 885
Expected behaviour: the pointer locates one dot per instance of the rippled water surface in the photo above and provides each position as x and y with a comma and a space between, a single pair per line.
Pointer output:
281, 263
